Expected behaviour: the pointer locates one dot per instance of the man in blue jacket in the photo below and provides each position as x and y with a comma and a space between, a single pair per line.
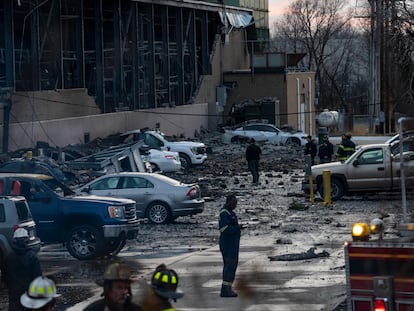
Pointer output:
229, 244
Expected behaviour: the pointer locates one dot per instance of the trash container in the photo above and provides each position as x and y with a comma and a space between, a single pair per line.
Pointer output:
322, 131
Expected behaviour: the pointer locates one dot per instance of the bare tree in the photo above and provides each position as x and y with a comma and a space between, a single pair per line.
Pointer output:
322, 29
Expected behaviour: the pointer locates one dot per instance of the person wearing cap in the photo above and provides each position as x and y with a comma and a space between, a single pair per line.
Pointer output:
117, 294
311, 149
230, 232
163, 290
41, 295
346, 148
325, 150
21, 266
253, 153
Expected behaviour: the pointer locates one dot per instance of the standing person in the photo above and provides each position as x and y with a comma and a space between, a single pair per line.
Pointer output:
325, 150
229, 244
253, 153
41, 295
20, 268
117, 294
311, 149
164, 283
346, 148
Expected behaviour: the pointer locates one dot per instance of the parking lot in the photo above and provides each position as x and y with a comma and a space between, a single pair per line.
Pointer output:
281, 221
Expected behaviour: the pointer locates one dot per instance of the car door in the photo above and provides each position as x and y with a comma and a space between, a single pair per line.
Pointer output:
270, 132
137, 188
368, 171
44, 206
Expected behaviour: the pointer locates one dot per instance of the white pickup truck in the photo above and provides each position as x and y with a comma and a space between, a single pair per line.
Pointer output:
191, 153
372, 168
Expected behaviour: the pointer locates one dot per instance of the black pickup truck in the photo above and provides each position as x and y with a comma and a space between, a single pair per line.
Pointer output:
89, 226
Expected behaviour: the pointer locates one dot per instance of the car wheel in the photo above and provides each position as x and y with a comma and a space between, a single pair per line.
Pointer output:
337, 189
114, 246
154, 167
293, 141
159, 213
185, 161
84, 242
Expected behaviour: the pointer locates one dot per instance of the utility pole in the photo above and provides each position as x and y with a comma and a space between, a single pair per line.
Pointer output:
372, 75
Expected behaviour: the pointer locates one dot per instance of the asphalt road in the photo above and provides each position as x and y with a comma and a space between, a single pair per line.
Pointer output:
281, 222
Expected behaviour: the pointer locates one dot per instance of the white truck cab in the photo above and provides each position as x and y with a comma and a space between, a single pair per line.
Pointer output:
191, 153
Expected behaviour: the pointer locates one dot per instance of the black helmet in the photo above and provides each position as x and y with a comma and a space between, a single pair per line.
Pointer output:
165, 282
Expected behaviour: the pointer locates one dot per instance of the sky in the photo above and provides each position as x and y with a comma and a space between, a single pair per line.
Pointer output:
276, 7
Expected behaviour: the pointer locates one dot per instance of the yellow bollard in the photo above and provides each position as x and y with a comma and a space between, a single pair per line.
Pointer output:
312, 195
29, 154
326, 175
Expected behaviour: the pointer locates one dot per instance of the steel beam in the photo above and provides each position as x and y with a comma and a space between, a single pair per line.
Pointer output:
117, 55
99, 59
205, 55
180, 56
9, 43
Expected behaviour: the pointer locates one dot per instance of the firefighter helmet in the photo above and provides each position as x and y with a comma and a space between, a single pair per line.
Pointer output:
41, 291
20, 238
116, 272
165, 282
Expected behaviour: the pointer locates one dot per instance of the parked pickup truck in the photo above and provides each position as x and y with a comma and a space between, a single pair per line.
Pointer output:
89, 226
191, 153
372, 168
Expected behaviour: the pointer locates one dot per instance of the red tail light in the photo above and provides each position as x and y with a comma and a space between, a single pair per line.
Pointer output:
380, 305
193, 192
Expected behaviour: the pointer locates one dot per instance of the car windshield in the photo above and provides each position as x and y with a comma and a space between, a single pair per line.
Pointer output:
58, 188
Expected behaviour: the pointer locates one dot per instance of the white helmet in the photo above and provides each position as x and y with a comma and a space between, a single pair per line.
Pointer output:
20, 233
41, 291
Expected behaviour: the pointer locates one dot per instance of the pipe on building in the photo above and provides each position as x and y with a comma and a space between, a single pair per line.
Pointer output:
298, 94
310, 105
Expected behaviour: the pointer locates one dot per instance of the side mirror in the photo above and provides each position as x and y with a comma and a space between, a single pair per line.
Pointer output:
355, 163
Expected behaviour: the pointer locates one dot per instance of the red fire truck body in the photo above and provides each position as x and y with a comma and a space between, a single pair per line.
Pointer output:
380, 275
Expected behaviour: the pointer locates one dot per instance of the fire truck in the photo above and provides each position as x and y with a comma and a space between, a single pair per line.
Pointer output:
380, 271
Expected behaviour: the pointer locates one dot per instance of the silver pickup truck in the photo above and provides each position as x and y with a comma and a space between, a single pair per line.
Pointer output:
372, 168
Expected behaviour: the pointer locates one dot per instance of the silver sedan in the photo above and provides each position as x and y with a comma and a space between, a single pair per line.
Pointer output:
159, 198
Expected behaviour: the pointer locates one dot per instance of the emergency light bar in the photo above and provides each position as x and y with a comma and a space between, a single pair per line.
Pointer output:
361, 231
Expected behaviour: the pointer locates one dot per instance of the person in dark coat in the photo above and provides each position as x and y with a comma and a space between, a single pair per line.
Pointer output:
20, 267
229, 244
117, 294
253, 153
325, 150
311, 149
346, 148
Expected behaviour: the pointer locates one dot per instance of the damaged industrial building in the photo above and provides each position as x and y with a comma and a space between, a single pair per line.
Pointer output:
75, 70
